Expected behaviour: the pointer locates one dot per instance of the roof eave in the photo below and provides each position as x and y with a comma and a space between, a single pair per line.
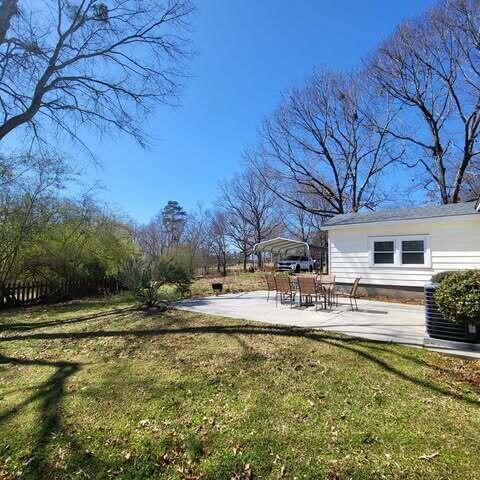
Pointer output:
402, 221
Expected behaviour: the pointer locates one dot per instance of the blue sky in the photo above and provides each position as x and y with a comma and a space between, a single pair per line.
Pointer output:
248, 53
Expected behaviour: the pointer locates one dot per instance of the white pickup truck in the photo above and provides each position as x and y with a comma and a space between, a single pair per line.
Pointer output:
296, 263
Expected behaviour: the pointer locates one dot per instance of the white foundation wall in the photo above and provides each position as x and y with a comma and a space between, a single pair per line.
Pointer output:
454, 245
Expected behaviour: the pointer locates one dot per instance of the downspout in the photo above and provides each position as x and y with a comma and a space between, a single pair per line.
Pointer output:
329, 256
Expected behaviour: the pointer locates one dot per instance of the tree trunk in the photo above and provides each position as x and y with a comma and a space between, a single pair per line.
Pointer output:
244, 263
260, 260
8, 8
441, 173
457, 188
224, 265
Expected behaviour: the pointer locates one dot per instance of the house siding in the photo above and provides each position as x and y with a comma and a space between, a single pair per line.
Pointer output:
454, 245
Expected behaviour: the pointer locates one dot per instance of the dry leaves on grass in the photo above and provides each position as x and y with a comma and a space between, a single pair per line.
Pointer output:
246, 474
466, 371
148, 425
428, 456
126, 455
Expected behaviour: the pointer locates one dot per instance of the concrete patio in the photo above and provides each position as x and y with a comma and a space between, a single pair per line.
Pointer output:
388, 322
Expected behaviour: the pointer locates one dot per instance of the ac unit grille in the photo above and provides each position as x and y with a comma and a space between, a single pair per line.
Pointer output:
439, 327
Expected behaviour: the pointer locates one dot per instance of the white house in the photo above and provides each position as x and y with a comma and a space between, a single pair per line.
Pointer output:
395, 251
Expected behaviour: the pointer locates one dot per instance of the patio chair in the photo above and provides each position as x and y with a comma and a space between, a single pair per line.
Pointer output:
353, 294
328, 285
309, 289
271, 286
284, 289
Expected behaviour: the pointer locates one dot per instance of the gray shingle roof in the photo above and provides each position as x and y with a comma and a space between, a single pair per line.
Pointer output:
426, 211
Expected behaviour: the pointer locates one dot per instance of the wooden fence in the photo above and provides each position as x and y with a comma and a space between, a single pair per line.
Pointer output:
34, 293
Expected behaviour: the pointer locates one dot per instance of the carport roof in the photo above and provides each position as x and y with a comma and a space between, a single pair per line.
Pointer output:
279, 244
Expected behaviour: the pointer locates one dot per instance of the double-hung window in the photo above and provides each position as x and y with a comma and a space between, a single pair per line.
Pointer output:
383, 252
399, 251
413, 252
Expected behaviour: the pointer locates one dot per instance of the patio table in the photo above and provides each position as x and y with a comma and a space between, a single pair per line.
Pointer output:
329, 288
325, 286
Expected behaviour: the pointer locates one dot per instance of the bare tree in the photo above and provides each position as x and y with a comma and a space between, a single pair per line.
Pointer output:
250, 211
471, 184
218, 240
163, 232
196, 237
240, 233
151, 239
299, 223
459, 30
327, 143
8, 8
429, 69
66, 63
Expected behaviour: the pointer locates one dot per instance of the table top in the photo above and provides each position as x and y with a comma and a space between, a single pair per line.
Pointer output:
294, 279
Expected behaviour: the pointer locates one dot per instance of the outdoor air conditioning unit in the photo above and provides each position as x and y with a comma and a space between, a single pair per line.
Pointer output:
441, 328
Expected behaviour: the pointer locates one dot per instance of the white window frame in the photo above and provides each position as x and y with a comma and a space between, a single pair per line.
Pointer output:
397, 256
372, 251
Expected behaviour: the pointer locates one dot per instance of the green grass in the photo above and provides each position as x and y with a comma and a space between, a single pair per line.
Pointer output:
94, 389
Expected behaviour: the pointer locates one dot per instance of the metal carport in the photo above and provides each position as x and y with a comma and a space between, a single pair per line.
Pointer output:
280, 246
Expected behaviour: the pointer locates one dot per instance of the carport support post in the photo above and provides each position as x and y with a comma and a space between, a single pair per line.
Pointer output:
259, 260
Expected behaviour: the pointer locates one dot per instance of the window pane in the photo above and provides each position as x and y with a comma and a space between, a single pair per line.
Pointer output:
383, 246
413, 258
412, 246
383, 257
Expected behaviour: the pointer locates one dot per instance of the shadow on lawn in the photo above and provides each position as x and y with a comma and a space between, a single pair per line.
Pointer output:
363, 349
51, 392
25, 326
49, 395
